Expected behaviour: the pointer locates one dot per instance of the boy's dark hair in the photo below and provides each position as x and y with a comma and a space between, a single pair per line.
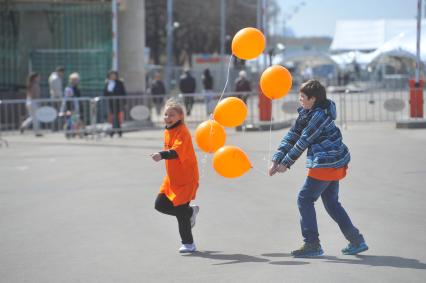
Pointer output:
60, 69
314, 88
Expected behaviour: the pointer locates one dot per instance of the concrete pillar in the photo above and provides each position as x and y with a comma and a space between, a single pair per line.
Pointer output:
131, 44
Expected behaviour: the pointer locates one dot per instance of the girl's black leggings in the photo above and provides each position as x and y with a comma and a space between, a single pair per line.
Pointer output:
183, 214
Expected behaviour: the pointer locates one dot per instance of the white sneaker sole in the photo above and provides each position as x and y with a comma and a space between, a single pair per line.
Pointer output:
187, 251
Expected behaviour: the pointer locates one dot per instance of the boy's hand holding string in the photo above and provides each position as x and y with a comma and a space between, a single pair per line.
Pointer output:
276, 167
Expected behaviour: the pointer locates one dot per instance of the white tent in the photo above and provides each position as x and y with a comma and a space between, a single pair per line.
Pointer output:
369, 35
402, 45
347, 58
365, 42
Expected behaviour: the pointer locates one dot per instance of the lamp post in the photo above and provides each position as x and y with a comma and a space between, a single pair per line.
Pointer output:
222, 39
418, 60
114, 15
265, 30
169, 44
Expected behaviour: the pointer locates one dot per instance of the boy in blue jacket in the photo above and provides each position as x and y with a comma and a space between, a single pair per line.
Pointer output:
327, 162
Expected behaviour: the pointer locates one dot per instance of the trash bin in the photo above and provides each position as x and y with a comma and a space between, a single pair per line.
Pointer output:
416, 99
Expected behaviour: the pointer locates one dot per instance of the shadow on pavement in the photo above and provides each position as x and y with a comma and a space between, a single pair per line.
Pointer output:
277, 255
288, 262
371, 260
380, 260
241, 258
231, 258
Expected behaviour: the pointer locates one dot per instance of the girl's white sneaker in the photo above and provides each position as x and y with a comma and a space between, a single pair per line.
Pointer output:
187, 248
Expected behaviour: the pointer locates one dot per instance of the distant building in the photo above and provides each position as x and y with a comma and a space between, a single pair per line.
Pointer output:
300, 44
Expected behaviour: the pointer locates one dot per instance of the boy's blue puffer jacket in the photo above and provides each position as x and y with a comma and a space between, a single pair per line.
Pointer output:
314, 130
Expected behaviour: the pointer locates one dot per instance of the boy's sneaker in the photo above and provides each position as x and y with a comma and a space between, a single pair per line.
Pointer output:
187, 248
353, 249
308, 250
195, 210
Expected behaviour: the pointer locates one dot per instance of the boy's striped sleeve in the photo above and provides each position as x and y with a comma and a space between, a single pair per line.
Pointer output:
308, 136
286, 144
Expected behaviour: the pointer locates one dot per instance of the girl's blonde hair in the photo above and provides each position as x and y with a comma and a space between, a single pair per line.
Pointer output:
173, 103
73, 76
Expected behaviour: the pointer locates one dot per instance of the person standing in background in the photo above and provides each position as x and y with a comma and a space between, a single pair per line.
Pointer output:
71, 95
72, 108
158, 90
56, 83
114, 90
187, 85
208, 91
33, 93
56, 90
242, 85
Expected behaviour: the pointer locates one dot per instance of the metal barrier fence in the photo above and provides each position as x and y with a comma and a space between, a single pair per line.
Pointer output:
103, 115
367, 106
110, 115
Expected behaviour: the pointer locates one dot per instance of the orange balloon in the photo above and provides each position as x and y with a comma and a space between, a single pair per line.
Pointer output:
230, 112
210, 136
275, 82
231, 161
248, 43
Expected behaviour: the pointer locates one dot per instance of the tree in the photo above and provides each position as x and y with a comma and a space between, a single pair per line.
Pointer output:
199, 25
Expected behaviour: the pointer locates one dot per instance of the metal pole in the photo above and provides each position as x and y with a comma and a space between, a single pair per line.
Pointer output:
259, 26
169, 43
265, 31
114, 35
222, 39
418, 60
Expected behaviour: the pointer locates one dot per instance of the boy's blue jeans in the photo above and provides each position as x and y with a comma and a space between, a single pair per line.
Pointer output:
329, 192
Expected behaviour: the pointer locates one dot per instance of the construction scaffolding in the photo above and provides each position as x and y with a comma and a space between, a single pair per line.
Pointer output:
41, 35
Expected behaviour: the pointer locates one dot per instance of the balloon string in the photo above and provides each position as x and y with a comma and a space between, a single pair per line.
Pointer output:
259, 171
203, 165
227, 79
270, 141
220, 98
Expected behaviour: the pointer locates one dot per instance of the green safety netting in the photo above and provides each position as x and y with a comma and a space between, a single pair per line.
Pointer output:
77, 35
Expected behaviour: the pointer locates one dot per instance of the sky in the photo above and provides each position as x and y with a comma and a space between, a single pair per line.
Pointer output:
318, 17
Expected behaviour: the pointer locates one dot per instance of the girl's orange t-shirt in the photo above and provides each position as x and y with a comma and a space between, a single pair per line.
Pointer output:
327, 174
181, 182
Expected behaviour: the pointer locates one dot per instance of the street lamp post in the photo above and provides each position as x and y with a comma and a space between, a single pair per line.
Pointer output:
259, 25
418, 59
114, 16
222, 39
169, 44
265, 31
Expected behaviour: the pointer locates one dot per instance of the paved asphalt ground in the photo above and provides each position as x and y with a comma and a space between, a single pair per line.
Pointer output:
82, 211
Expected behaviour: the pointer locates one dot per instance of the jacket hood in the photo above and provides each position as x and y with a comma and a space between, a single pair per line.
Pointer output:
330, 109
328, 106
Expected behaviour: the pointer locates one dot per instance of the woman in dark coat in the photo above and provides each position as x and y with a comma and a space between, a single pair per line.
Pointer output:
115, 91
158, 91
208, 91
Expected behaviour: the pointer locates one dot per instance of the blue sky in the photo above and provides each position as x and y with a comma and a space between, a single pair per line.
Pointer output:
318, 17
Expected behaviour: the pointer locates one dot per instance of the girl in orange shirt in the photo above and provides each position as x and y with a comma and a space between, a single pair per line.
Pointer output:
180, 184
